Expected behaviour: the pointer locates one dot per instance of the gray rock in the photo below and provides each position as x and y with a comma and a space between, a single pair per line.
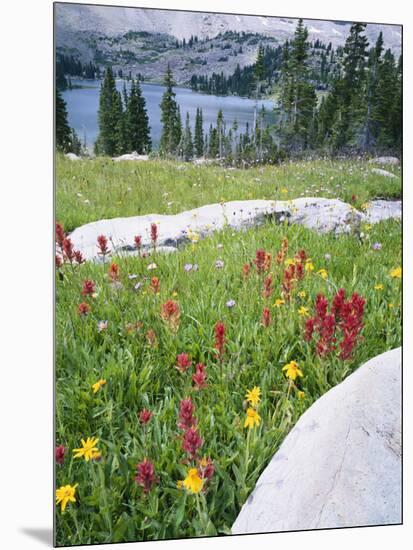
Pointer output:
72, 156
380, 210
322, 215
130, 156
385, 160
340, 466
384, 173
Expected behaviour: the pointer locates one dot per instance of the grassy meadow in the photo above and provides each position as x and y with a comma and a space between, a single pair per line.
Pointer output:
121, 354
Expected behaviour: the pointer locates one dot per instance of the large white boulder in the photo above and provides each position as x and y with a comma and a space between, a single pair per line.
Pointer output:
72, 156
130, 156
379, 210
340, 466
322, 215
385, 160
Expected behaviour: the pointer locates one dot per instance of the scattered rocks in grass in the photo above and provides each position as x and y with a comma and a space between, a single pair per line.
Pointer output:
340, 466
72, 156
385, 160
320, 214
384, 173
130, 156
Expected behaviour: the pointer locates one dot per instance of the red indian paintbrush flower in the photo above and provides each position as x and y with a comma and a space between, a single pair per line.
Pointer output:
151, 338
144, 416
145, 475
246, 270
199, 378
220, 338
191, 442
266, 317
79, 257
68, 249
171, 314
260, 259
113, 272
59, 261
83, 308
183, 362
155, 285
102, 245
206, 469
138, 241
88, 287
60, 235
154, 233
267, 286
60, 452
186, 411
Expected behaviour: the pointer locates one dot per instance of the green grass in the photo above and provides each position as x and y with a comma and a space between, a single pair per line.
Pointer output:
110, 506
90, 190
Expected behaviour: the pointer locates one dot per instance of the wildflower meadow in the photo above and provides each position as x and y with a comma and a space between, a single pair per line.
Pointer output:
178, 376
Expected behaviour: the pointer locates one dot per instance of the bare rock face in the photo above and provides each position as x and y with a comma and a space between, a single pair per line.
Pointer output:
385, 160
319, 214
379, 210
381, 172
340, 466
130, 156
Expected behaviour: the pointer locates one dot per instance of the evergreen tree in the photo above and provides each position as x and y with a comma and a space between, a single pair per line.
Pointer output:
137, 121
63, 132
170, 118
188, 146
112, 135
199, 133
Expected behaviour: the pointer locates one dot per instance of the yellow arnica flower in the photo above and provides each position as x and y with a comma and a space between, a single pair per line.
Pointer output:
253, 396
88, 449
252, 419
97, 385
396, 273
65, 494
292, 370
300, 394
279, 302
309, 266
378, 287
302, 294
284, 190
289, 261
303, 311
323, 273
180, 484
193, 483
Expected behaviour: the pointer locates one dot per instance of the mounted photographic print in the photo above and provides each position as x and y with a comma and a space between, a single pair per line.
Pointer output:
228, 274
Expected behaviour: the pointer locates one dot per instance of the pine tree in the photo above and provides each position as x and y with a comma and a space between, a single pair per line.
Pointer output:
170, 118
199, 133
63, 132
111, 139
137, 121
187, 146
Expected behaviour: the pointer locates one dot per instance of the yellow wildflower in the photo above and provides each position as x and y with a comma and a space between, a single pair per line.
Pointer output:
180, 484
284, 190
379, 286
193, 483
309, 266
300, 394
253, 396
289, 261
88, 449
65, 494
303, 311
391, 305
279, 302
97, 385
252, 419
302, 294
323, 273
174, 294
292, 370
396, 273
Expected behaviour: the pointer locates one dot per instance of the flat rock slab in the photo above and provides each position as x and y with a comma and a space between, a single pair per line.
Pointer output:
381, 172
380, 210
130, 156
340, 466
385, 160
322, 215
